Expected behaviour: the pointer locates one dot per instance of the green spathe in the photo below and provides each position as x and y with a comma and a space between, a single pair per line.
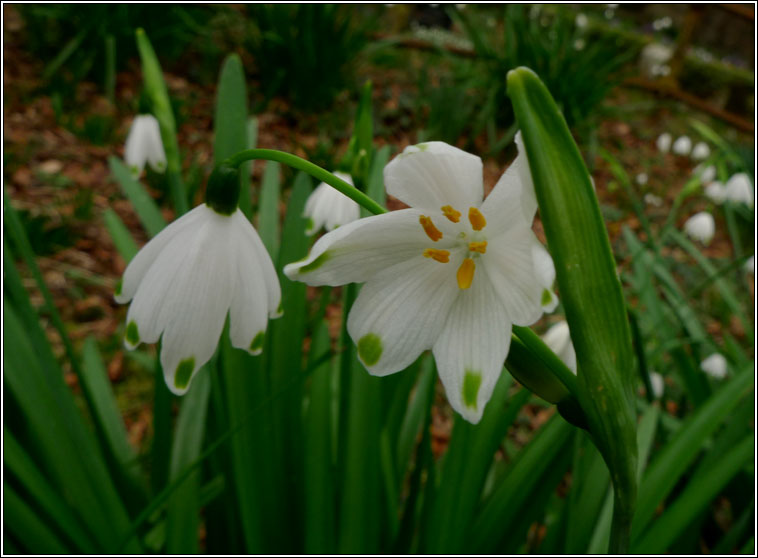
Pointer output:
223, 190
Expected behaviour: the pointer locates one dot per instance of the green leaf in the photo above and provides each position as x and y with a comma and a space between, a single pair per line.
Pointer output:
183, 519
230, 122
586, 273
147, 210
122, 238
694, 499
155, 87
268, 209
27, 527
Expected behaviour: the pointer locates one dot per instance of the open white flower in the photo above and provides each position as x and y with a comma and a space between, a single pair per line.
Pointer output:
715, 192
700, 151
453, 273
739, 189
714, 366
185, 281
664, 142
657, 383
558, 338
144, 145
701, 226
682, 145
329, 208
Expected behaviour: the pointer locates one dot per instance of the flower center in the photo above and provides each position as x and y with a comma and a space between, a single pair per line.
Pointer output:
475, 244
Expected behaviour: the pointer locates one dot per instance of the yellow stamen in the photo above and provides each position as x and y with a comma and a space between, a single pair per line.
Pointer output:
429, 228
480, 247
450, 213
466, 273
442, 256
478, 222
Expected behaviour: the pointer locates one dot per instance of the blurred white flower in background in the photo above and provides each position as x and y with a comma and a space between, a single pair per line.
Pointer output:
653, 58
716, 192
662, 23
664, 142
701, 151
144, 145
641, 178
739, 189
701, 226
579, 44
558, 338
329, 208
750, 265
652, 199
714, 366
581, 21
682, 145
706, 174
656, 382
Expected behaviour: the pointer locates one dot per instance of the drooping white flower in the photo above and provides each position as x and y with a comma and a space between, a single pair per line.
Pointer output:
652, 199
739, 189
664, 142
716, 192
656, 382
329, 208
558, 338
185, 281
452, 273
706, 174
682, 145
750, 265
701, 226
714, 366
700, 151
641, 178
144, 145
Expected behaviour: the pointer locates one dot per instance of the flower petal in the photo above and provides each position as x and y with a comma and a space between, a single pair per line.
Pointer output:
511, 268
135, 150
400, 312
471, 350
513, 191
432, 175
139, 265
156, 155
355, 252
545, 270
263, 261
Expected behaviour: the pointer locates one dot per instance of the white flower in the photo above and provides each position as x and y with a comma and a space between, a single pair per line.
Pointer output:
700, 151
581, 20
451, 274
144, 145
701, 226
653, 57
185, 281
682, 145
707, 174
664, 142
715, 192
652, 199
656, 382
558, 338
579, 44
714, 366
750, 265
641, 178
330, 208
739, 189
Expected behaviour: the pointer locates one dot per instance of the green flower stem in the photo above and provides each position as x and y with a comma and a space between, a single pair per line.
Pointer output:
314, 170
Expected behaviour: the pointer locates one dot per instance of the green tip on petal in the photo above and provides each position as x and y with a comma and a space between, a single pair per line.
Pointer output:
370, 349
309, 224
422, 146
119, 286
256, 345
315, 264
132, 333
472, 381
547, 296
184, 373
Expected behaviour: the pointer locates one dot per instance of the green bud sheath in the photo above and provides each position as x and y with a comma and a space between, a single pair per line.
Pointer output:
223, 190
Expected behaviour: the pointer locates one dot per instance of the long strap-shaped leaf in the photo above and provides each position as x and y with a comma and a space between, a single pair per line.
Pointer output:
589, 286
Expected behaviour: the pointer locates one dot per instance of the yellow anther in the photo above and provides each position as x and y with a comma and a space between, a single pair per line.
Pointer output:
466, 273
442, 256
450, 213
478, 222
480, 247
429, 228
